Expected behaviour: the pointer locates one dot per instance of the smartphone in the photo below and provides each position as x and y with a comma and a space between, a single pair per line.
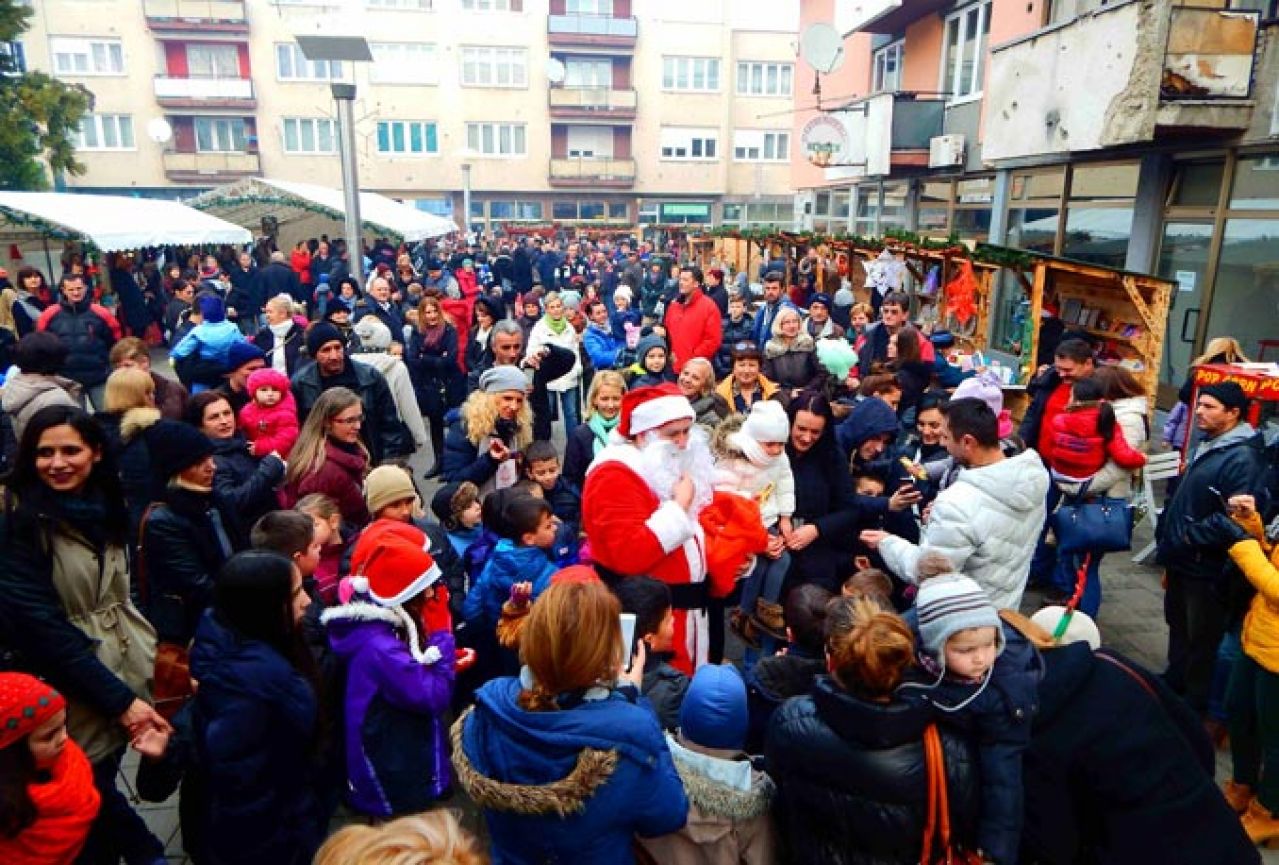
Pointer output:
627, 621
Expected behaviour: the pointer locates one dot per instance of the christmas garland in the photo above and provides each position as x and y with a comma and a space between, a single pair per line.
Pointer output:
898, 240
238, 200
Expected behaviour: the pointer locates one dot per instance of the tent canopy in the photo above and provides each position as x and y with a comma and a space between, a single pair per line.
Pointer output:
304, 210
112, 223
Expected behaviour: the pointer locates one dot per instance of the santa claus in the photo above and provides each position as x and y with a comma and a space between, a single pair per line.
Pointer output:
640, 505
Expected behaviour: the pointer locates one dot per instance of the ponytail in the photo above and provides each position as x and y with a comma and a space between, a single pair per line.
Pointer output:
1106, 421
870, 648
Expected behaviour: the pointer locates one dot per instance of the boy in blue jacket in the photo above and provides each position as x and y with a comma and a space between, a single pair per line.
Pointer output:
527, 527
210, 340
542, 466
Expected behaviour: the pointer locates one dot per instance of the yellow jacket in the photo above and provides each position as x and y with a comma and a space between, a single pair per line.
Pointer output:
1259, 562
725, 389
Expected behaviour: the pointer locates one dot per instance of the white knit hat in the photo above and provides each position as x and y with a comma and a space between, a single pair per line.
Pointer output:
767, 422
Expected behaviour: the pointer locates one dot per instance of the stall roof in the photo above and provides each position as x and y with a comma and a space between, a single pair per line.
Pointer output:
246, 202
112, 223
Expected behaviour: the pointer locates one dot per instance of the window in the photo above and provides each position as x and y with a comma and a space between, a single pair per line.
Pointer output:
213, 61
699, 74
963, 61
220, 135
516, 211
590, 142
886, 68
414, 137
588, 73
291, 65
105, 132
750, 145
496, 139
493, 5
685, 143
764, 79
589, 7
310, 135
424, 5
13, 58
87, 56
403, 63
494, 67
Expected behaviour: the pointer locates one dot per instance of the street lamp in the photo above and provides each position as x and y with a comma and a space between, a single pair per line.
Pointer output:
346, 49
466, 199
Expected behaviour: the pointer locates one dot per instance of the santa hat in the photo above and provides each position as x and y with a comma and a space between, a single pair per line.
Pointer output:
647, 408
393, 563
25, 704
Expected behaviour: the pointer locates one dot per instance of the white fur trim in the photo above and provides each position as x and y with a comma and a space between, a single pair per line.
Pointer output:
658, 411
672, 525
427, 657
360, 611
359, 585
423, 580
432, 655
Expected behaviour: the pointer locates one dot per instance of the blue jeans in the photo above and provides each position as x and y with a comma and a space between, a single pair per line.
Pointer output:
764, 581
569, 400
1044, 561
1067, 571
1219, 699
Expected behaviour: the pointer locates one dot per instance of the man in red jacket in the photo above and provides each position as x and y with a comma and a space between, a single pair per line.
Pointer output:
693, 325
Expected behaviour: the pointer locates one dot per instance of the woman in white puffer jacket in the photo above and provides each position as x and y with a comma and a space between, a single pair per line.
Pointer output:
555, 328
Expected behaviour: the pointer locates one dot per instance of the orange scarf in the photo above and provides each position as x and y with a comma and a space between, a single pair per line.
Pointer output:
65, 807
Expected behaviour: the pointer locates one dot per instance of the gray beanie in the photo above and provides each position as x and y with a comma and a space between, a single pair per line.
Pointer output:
500, 379
949, 603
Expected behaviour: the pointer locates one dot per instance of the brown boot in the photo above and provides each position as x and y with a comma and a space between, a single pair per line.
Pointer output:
770, 619
1262, 826
1237, 796
744, 627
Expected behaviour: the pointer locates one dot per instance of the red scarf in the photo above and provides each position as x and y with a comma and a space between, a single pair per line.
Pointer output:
65, 807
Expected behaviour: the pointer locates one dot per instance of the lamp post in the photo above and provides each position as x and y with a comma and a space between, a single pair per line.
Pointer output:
466, 199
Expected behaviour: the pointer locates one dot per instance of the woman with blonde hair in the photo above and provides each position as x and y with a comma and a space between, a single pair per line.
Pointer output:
493, 426
790, 356
697, 382
566, 765
330, 457
603, 412
129, 411
432, 838
1220, 349
848, 758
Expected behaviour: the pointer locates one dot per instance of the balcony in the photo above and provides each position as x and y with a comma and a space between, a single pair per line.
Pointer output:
185, 17
192, 167
878, 134
1118, 77
592, 103
204, 92
591, 31
590, 172
883, 16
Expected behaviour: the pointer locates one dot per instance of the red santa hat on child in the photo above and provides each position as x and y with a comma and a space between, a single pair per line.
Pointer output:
647, 408
391, 563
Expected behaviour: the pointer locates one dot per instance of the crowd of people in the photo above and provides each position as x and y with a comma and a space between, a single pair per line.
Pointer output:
229, 568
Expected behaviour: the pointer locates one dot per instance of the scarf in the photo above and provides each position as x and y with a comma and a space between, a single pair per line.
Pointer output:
431, 336
750, 449
66, 804
279, 360
557, 326
601, 427
87, 514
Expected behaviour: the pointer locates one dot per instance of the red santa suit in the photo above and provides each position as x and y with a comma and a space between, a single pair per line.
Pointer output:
636, 530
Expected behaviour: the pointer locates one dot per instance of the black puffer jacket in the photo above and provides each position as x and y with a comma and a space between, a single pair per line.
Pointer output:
851, 778
246, 483
88, 331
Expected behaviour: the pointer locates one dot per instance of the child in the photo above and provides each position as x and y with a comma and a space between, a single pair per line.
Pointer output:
1084, 436
663, 685
542, 464
396, 637
210, 340
729, 800
750, 460
626, 321
326, 519
986, 680
457, 507
651, 365
269, 420
434, 838
738, 326
869, 583
859, 318
777, 678
527, 528
48, 799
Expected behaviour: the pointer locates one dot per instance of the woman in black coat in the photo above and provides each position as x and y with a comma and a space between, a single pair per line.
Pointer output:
134, 313
242, 481
432, 360
848, 759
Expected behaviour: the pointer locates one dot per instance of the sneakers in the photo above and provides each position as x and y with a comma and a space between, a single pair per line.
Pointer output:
1262, 826
769, 619
1237, 796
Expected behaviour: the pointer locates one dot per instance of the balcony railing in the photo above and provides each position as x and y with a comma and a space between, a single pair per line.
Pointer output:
584, 171
592, 102
189, 14
193, 166
204, 92
581, 29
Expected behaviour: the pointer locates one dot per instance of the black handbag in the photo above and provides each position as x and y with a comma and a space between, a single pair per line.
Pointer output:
1100, 524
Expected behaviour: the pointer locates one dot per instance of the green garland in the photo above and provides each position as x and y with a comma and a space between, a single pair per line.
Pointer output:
207, 203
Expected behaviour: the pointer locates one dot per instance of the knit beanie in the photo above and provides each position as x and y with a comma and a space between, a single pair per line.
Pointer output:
242, 352
267, 377
822, 298
949, 603
373, 333
451, 499
388, 484
211, 307
25, 704
320, 335
986, 387
174, 446
713, 714
624, 291
1228, 393
336, 304
767, 422
499, 379
647, 344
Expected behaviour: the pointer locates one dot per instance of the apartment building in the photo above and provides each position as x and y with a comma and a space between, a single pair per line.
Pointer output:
1140, 134
588, 112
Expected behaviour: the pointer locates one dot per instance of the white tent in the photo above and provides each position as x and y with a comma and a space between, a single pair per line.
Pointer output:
304, 210
112, 223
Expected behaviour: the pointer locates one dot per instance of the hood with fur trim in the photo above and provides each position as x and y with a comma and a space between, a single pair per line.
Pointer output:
137, 421
722, 786
351, 624
721, 446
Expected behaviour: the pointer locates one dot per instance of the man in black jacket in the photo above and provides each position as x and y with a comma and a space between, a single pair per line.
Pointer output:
278, 278
1204, 589
245, 298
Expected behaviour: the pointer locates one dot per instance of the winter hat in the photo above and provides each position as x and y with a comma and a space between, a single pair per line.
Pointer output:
820, 297
175, 446
211, 307
434, 264
647, 344
388, 484
647, 408
767, 422
25, 703
575, 574
949, 603
1228, 393
373, 333
713, 714
321, 334
499, 379
267, 377
242, 352
986, 387
624, 291
336, 304
1080, 629
836, 356
391, 562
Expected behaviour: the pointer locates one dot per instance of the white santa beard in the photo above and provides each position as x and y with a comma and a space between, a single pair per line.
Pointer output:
664, 464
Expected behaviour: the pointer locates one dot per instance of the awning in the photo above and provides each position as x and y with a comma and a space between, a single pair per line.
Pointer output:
112, 223
884, 16
304, 210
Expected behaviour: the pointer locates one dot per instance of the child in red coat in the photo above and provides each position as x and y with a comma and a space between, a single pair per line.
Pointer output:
269, 420
1084, 436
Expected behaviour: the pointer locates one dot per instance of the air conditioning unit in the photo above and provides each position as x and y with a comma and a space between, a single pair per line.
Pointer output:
945, 151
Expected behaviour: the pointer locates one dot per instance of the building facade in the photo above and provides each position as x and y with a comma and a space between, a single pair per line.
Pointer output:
1139, 134
592, 112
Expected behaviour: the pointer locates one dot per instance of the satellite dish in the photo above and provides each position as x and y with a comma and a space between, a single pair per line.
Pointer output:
822, 47
159, 131
555, 71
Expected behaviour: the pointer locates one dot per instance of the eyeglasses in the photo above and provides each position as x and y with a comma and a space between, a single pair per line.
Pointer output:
349, 421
